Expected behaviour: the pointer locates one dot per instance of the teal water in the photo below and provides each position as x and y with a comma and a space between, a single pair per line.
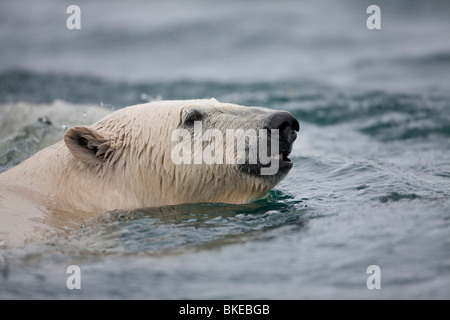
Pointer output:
370, 183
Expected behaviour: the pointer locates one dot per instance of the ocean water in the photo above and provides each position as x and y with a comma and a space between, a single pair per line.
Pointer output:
371, 178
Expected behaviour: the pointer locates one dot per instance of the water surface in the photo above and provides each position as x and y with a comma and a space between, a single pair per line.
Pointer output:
370, 183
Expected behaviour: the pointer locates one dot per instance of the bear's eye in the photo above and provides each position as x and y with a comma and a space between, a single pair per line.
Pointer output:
192, 117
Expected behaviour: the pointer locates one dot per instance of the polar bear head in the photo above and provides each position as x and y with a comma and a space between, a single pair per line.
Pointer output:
172, 152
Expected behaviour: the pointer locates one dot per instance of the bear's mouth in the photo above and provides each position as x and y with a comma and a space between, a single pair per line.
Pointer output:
283, 159
279, 164
281, 131
283, 156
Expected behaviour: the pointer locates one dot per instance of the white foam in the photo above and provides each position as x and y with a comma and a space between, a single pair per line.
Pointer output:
15, 116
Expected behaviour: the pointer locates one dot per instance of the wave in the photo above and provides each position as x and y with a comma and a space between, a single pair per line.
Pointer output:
395, 196
26, 128
383, 115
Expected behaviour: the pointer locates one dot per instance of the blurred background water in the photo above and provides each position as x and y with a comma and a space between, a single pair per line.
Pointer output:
370, 183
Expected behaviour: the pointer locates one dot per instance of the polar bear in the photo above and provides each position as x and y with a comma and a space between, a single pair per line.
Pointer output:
132, 159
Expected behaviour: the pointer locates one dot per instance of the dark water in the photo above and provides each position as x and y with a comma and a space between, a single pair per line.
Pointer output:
371, 180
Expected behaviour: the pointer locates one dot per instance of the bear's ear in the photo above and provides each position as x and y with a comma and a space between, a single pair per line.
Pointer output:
88, 145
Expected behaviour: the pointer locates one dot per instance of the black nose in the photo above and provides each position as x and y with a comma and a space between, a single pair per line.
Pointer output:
286, 124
